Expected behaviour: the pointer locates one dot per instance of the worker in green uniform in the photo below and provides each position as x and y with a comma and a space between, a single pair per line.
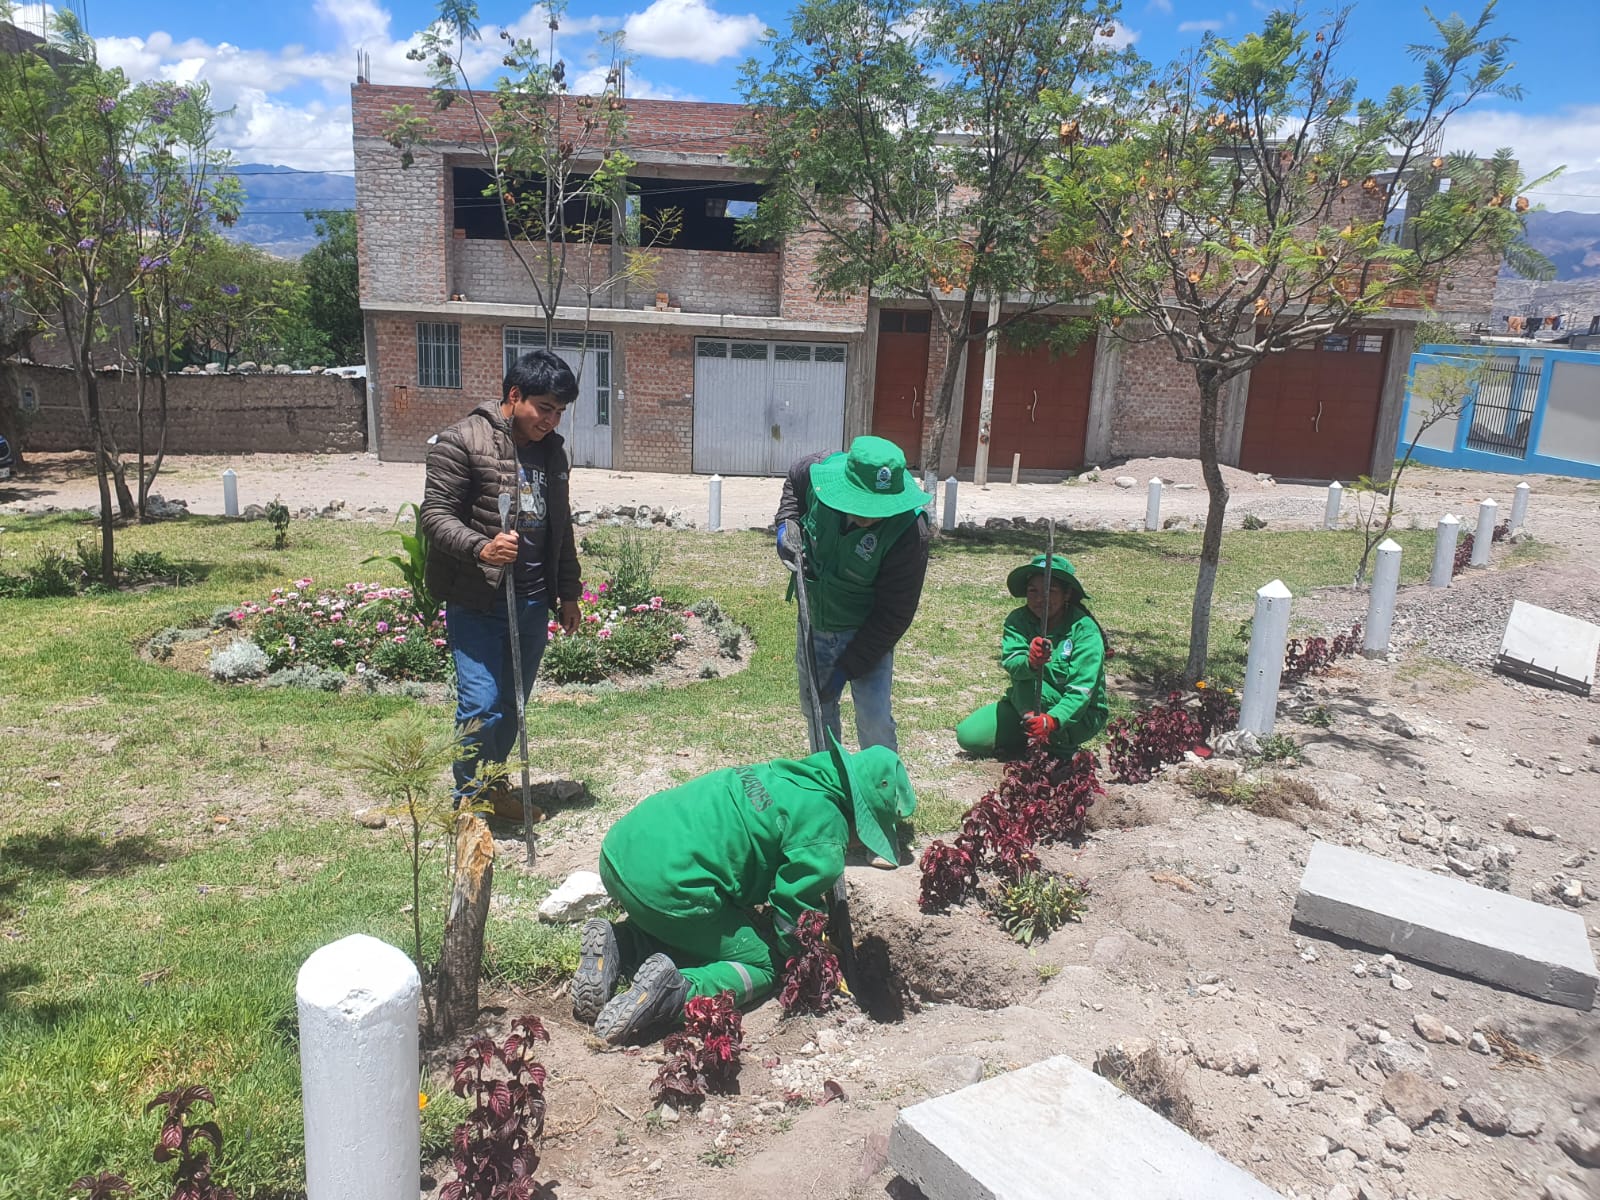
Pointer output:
691, 866
865, 535
1058, 679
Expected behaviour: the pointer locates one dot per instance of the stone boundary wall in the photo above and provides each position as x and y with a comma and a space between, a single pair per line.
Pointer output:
207, 414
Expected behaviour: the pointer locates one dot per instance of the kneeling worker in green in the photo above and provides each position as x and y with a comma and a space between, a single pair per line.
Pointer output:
1058, 680
692, 864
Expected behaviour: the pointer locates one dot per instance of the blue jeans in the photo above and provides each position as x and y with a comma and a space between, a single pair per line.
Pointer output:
480, 643
869, 691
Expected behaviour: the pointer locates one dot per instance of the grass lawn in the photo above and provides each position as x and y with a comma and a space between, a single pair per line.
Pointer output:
144, 944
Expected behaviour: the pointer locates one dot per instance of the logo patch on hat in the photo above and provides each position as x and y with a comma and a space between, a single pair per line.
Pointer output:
885, 478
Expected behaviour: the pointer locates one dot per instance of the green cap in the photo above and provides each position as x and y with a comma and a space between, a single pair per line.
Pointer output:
869, 480
1060, 572
880, 794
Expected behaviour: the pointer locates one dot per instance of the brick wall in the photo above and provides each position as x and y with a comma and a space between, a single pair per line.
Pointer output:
658, 413
799, 300
206, 414
488, 272
401, 223
409, 415
1157, 404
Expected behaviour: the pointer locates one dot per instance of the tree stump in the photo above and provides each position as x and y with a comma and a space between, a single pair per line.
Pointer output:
461, 956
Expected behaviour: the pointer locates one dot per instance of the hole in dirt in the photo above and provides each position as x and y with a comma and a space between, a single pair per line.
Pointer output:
905, 958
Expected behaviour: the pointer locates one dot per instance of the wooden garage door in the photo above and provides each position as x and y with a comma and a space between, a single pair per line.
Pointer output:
899, 389
1313, 413
1041, 407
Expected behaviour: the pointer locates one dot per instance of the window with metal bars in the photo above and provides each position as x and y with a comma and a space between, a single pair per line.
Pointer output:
438, 354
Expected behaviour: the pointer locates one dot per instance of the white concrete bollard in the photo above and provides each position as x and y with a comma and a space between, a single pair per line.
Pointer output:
1016, 468
1330, 515
230, 493
714, 501
358, 1071
1483, 536
1444, 550
1519, 507
1380, 601
1263, 668
930, 484
1152, 506
949, 521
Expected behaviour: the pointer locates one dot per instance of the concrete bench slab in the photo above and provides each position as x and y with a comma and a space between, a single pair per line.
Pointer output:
1056, 1131
1444, 922
1543, 646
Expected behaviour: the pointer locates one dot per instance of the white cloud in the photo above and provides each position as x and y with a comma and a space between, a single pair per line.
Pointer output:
1209, 25
1160, 6
690, 29
1123, 37
1542, 142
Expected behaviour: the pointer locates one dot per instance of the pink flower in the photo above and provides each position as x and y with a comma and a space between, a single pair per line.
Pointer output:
439, 642
603, 586
553, 628
303, 583
604, 633
338, 641
677, 637
399, 639
337, 616
383, 627
656, 602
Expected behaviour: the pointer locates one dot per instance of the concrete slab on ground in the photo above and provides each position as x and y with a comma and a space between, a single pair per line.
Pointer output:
1548, 647
1056, 1131
1444, 922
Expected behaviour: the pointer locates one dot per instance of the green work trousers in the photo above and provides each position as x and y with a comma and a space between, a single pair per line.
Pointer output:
995, 731
717, 952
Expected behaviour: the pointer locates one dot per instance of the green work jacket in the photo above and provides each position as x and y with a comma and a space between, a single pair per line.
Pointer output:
1074, 676
771, 834
844, 561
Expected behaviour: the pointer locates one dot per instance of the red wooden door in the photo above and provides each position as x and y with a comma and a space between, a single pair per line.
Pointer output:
899, 390
1312, 413
1041, 407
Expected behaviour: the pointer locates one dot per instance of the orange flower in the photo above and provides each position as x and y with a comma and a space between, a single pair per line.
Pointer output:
422, 1101
1201, 684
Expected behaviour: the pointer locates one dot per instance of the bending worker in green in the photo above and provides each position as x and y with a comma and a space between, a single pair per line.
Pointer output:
1058, 680
692, 864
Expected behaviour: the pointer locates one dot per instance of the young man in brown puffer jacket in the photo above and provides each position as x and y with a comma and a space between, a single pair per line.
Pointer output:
509, 447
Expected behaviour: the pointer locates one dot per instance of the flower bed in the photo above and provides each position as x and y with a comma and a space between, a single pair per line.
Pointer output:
358, 628
612, 639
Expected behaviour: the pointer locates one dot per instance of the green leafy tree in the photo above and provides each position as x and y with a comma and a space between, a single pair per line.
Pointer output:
78, 149
557, 172
1251, 201
333, 291
240, 303
906, 138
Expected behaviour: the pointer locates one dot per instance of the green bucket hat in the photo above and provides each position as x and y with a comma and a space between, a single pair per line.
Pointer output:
869, 480
1060, 572
880, 793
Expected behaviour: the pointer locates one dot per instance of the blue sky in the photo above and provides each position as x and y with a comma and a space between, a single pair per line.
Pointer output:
287, 66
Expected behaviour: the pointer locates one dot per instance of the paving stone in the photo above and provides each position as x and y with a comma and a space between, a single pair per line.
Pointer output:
1056, 1131
1483, 934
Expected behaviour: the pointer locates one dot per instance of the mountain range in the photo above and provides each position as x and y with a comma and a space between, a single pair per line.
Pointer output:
276, 201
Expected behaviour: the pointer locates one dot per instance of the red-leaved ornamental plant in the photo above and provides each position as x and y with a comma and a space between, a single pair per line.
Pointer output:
1316, 655
1037, 802
1138, 746
703, 1056
493, 1149
811, 978
195, 1150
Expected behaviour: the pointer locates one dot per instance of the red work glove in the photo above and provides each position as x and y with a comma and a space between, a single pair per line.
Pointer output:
1038, 652
1039, 726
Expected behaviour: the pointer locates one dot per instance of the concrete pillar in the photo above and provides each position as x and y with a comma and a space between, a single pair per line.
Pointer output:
1263, 669
1483, 537
1519, 507
714, 501
1444, 550
1016, 467
930, 484
949, 521
359, 1063
991, 350
1330, 515
1152, 505
1380, 600
230, 493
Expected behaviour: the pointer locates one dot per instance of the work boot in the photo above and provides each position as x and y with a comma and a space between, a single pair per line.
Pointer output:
598, 970
654, 999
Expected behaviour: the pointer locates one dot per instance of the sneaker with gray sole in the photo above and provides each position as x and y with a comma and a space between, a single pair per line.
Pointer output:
598, 969
654, 999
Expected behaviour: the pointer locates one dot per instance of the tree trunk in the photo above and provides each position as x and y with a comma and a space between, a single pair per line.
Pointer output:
461, 955
89, 394
956, 339
1216, 510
